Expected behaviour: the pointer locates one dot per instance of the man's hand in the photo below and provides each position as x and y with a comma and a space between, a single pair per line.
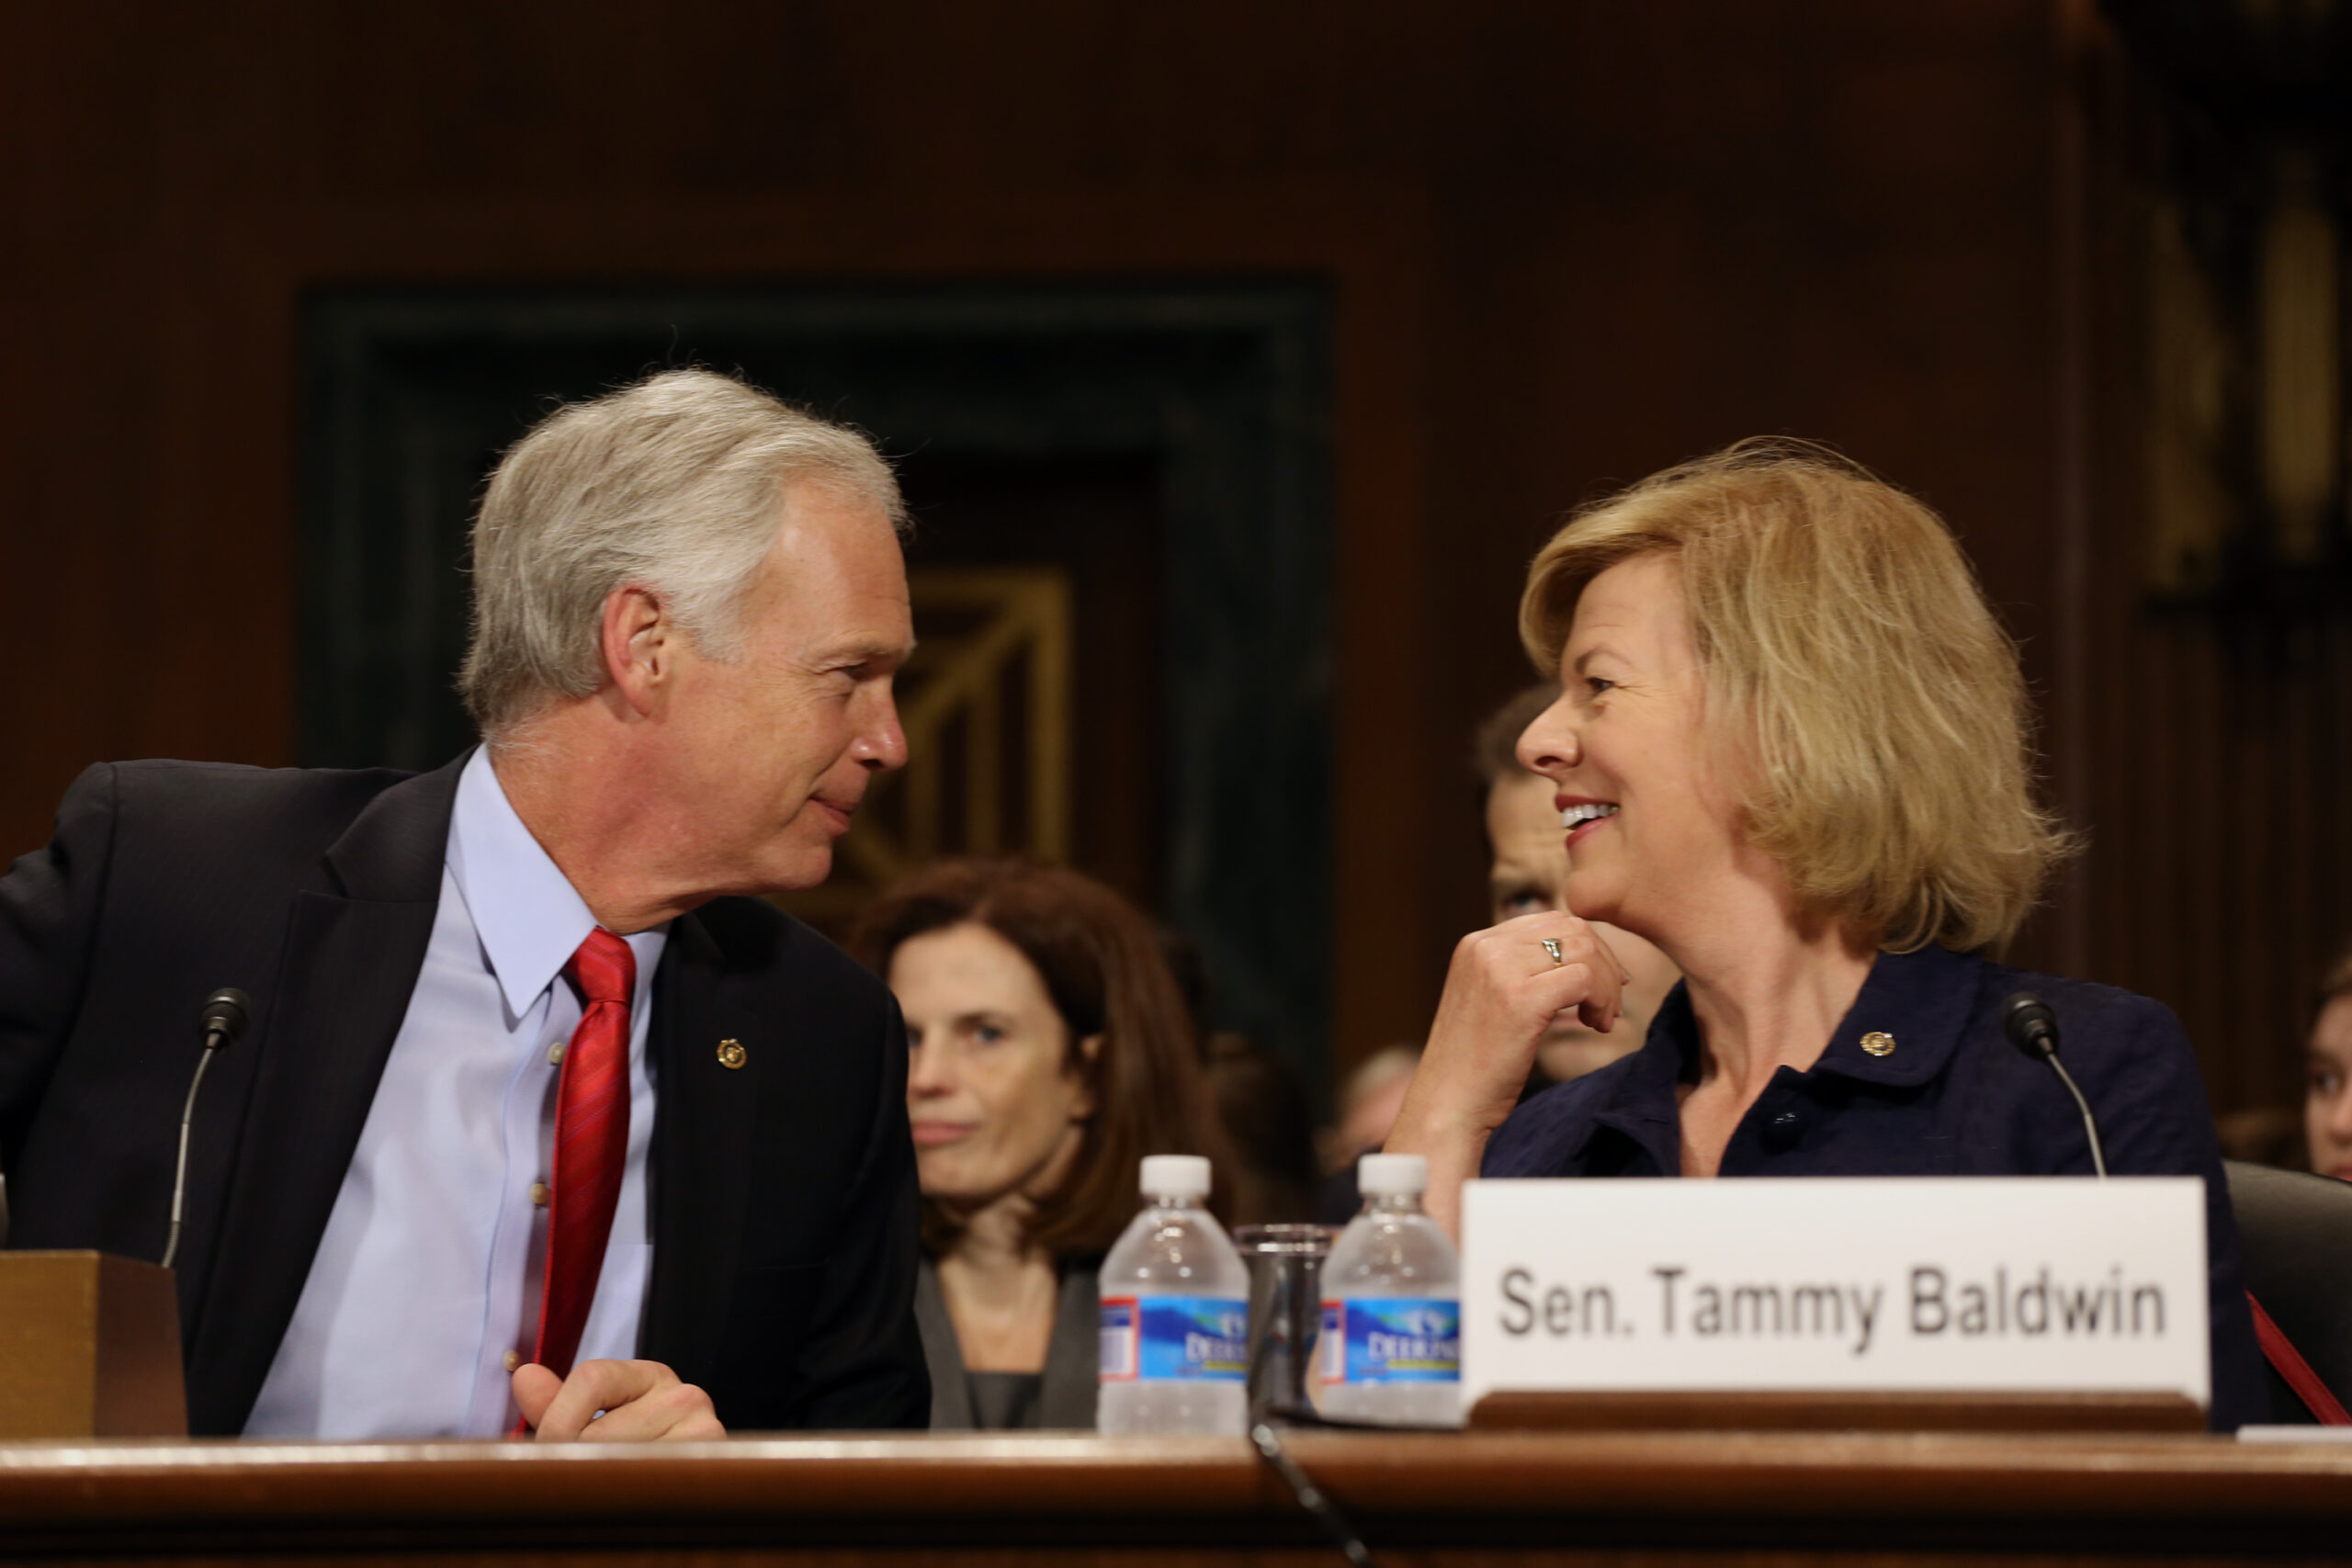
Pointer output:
641, 1402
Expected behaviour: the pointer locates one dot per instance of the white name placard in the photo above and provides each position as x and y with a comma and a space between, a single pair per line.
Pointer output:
1983, 1283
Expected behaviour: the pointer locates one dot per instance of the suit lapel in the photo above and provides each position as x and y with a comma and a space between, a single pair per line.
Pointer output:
351, 960
704, 1119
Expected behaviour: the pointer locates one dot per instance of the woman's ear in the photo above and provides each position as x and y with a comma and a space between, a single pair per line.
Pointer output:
1090, 1057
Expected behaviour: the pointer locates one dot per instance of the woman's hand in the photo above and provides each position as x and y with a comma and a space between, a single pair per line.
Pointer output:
1501, 993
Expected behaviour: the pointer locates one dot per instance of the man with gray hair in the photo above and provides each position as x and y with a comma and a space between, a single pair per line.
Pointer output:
539, 1122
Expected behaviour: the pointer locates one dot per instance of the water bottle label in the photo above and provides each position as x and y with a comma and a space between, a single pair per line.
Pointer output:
1391, 1339
1160, 1338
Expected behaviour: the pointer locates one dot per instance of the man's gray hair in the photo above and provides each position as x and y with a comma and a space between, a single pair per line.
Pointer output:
674, 485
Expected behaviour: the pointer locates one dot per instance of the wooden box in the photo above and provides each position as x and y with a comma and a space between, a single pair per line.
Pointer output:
89, 1347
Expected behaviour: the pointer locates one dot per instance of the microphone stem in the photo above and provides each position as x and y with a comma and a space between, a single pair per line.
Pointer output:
179, 1177
2091, 1127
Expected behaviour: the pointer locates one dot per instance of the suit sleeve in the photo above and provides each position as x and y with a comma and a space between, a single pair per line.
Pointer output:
863, 1362
2143, 1084
49, 919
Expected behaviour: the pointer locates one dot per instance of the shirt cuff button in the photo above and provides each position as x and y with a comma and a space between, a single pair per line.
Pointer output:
513, 1359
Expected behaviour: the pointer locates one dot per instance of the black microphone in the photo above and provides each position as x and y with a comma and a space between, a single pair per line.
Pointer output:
222, 1021
2032, 1027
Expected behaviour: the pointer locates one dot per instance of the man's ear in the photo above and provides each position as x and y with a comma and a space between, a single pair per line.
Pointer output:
639, 646
1089, 1055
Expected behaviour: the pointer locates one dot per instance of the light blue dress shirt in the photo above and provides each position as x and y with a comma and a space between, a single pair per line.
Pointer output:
428, 1277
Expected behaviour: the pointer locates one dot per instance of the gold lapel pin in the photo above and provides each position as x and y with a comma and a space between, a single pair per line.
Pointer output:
1878, 1043
732, 1054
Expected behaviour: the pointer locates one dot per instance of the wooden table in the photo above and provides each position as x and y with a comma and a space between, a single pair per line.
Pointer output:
1679, 1498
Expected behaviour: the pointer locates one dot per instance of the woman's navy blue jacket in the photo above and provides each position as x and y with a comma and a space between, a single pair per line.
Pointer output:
1953, 1098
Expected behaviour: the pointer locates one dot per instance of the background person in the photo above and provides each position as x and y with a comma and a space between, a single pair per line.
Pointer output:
688, 608
1368, 1104
1791, 750
1268, 1131
2327, 1104
1051, 1052
1260, 1103
1367, 1109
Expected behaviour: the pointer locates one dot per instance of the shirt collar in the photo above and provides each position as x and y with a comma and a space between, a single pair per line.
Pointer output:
1918, 1002
1910, 998
526, 913
1636, 1094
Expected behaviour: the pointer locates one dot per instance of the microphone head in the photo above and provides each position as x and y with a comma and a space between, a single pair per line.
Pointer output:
224, 1018
2031, 1027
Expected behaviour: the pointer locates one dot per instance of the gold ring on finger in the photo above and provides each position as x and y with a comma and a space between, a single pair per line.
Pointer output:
1551, 946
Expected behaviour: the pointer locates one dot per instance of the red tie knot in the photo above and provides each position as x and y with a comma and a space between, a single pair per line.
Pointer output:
604, 969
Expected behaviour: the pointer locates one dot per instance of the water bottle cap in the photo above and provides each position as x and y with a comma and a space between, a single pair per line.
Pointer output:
1175, 1176
1390, 1176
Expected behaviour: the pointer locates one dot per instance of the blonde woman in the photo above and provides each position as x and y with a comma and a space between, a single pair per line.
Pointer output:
1790, 750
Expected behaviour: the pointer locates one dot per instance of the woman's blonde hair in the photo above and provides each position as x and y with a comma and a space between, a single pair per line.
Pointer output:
1876, 705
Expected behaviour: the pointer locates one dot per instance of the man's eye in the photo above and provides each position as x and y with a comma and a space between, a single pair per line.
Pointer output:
987, 1033
2326, 1082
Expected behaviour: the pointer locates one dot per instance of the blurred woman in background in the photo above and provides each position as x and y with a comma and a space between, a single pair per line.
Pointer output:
2327, 1107
1049, 1052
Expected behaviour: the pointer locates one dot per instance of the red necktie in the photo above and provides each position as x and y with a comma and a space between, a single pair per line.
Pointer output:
591, 1144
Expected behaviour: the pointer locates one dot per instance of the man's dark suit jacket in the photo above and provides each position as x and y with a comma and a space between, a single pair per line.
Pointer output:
782, 1191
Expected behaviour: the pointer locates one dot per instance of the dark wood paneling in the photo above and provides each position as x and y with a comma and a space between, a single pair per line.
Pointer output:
1100, 522
2221, 867
2218, 876
1569, 240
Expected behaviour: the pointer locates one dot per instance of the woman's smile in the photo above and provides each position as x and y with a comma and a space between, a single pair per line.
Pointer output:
1580, 816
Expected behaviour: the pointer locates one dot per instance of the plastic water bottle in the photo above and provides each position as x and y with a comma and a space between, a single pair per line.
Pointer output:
1390, 1349
1175, 1312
